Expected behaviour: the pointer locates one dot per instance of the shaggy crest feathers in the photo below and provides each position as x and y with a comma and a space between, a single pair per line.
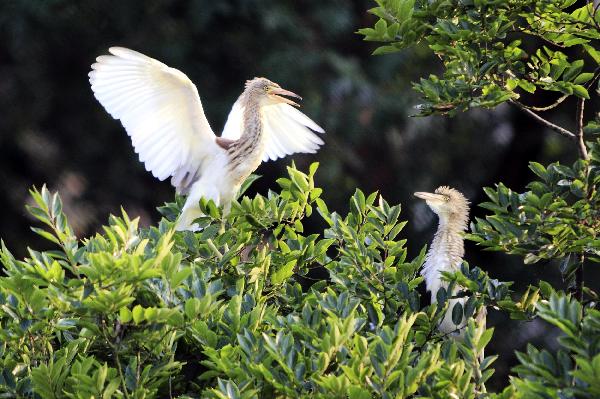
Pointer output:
457, 207
258, 80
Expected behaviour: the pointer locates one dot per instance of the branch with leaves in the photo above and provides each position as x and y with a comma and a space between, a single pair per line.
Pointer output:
481, 46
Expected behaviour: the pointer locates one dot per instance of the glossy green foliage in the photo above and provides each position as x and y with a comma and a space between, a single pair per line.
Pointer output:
486, 49
504, 50
231, 311
558, 217
574, 370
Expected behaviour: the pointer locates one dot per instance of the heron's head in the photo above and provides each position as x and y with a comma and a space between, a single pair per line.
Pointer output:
268, 92
447, 203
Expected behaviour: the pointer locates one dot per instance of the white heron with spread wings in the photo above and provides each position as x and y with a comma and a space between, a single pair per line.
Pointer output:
161, 111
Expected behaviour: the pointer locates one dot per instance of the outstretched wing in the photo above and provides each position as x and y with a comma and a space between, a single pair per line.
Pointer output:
161, 111
286, 130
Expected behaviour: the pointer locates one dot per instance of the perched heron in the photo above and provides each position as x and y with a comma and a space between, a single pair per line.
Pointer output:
447, 250
161, 111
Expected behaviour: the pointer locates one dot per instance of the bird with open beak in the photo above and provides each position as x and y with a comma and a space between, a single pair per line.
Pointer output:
161, 111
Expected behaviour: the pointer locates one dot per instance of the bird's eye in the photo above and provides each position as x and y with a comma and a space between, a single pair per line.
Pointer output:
266, 88
446, 198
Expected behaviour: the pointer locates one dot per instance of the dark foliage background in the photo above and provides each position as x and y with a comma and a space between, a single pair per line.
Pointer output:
53, 131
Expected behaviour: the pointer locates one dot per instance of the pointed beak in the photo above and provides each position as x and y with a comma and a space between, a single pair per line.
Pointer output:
429, 196
278, 92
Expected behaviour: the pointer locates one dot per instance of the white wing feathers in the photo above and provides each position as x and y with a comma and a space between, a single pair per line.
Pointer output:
161, 111
287, 132
234, 126
285, 129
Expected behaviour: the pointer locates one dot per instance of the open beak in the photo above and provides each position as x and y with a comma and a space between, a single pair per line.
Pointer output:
429, 196
278, 92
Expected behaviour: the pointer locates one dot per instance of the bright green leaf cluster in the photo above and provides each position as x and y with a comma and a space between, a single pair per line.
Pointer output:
485, 50
557, 218
574, 370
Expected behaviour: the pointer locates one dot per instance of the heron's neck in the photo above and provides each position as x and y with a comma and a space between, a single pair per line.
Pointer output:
446, 251
252, 119
250, 139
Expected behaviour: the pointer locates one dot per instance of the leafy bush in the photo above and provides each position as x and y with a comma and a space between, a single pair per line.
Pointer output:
503, 51
574, 371
232, 312
557, 218
485, 59
494, 51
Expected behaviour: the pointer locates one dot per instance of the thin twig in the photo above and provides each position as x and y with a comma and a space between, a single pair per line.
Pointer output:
579, 119
548, 107
121, 376
560, 130
594, 6
594, 79
541, 36
579, 280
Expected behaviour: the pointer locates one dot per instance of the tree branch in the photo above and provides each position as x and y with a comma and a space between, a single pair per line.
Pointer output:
547, 107
560, 130
579, 119
578, 292
594, 8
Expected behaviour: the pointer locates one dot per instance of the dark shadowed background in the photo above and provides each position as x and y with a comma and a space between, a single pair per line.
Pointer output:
53, 131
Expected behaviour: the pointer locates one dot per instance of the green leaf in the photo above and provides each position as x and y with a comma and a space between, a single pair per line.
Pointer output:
381, 28
125, 315
385, 50
357, 392
138, 314
285, 272
595, 54
192, 307
527, 86
573, 70
181, 275
581, 91
247, 183
485, 339
538, 169
583, 78
457, 313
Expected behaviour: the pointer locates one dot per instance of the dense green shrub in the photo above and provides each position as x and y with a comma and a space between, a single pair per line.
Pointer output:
222, 313
233, 312
496, 51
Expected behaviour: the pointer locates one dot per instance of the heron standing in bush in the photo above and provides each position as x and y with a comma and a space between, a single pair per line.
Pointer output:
161, 110
447, 250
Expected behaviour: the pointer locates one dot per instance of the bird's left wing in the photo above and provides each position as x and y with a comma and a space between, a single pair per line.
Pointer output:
161, 111
286, 130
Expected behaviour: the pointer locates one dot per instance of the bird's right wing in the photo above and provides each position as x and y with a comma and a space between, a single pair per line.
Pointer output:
161, 111
286, 130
